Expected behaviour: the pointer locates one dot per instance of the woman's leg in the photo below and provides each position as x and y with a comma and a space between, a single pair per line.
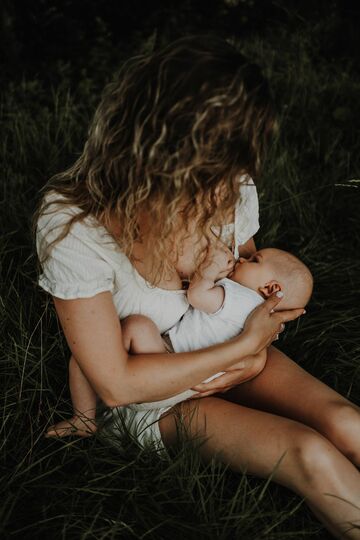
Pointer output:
284, 388
255, 441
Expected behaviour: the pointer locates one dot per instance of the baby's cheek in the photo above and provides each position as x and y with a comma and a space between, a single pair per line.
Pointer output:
242, 275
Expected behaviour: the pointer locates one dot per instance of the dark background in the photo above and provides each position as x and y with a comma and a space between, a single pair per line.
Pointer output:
44, 37
55, 57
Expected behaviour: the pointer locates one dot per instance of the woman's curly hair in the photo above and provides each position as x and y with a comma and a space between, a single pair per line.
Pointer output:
175, 130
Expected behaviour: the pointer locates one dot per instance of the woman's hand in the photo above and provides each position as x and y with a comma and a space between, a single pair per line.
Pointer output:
264, 323
261, 328
242, 371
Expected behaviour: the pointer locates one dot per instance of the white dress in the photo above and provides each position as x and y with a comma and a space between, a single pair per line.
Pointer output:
88, 261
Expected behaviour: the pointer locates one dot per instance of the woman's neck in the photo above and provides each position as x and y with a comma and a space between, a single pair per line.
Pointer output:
142, 257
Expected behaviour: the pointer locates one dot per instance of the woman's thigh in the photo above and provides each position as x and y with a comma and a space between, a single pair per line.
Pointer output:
271, 446
285, 389
248, 440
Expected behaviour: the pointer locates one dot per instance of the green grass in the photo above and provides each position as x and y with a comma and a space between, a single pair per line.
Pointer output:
309, 201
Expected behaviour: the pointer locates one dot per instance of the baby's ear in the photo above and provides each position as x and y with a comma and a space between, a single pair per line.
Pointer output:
270, 288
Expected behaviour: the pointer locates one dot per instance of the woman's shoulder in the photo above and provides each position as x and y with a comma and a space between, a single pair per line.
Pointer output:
56, 213
55, 210
72, 260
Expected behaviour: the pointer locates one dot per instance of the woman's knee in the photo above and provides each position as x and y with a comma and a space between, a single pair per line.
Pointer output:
313, 458
342, 427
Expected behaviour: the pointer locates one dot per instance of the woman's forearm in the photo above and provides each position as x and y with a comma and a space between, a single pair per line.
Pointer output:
153, 377
94, 335
93, 332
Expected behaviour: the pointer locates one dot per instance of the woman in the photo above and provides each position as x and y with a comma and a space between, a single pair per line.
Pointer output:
168, 162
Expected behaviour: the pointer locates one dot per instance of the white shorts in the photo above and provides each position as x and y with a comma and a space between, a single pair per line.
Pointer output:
141, 425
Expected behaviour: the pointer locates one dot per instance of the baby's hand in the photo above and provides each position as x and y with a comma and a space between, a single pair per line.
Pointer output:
76, 426
219, 262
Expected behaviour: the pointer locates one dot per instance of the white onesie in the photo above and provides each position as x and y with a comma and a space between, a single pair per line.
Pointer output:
197, 329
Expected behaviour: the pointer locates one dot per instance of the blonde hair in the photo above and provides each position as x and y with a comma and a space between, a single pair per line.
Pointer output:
175, 129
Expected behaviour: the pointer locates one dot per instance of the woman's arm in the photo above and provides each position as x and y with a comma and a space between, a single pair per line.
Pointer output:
245, 370
93, 332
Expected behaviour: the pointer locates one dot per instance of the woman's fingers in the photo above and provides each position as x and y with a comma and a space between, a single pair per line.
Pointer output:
201, 395
273, 301
285, 315
293, 313
288, 314
227, 379
265, 322
206, 394
281, 329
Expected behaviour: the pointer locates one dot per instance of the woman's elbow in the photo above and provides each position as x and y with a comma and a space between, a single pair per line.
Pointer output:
110, 402
114, 398
115, 389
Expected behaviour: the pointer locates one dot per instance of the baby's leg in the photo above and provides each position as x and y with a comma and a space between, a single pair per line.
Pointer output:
141, 335
83, 398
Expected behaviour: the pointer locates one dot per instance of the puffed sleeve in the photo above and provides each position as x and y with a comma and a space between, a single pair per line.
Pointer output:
74, 267
246, 211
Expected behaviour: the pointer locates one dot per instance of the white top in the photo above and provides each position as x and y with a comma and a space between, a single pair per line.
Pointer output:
197, 329
88, 261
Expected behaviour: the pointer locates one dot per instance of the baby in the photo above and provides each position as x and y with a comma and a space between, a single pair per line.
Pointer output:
218, 311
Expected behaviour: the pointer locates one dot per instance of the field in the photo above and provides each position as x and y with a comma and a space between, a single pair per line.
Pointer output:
309, 204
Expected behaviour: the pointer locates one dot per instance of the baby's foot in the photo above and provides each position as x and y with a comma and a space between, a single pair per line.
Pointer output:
76, 426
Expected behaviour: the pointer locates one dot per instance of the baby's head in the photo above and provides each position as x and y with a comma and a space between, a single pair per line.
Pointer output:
270, 270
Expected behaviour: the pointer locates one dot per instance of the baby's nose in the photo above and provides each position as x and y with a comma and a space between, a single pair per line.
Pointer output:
242, 259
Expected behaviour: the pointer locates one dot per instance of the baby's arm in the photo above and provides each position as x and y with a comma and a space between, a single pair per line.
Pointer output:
203, 293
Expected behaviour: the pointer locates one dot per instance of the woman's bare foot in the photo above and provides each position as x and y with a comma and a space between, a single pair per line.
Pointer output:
76, 426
